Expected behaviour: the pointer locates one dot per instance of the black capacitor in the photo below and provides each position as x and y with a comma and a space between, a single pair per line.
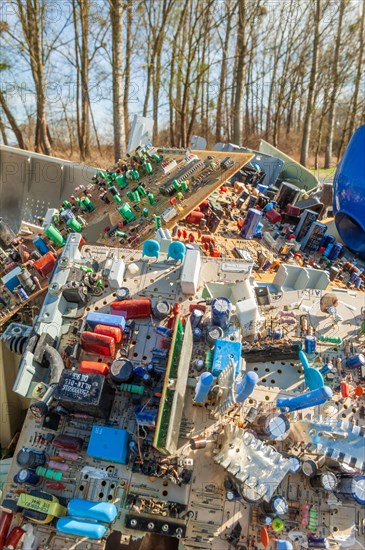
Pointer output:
122, 294
113, 190
147, 380
288, 194
35, 255
121, 371
30, 458
27, 476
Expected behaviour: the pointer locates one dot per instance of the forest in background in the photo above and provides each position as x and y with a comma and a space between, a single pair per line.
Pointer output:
73, 73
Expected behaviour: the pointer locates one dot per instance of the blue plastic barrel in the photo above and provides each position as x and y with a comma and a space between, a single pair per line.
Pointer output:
349, 194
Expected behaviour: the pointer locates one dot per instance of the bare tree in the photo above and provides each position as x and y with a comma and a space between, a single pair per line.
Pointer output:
116, 17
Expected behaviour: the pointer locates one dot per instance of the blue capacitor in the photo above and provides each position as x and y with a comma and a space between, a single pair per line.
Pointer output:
356, 361
246, 386
196, 317
203, 386
27, 476
139, 372
310, 345
163, 331
326, 240
326, 369
318, 542
353, 277
67, 215
146, 417
159, 352
90, 510
358, 282
93, 318
88, 529
221, 312
309, 399
41, 245
283, 545
328, 250
251, 222
197, 334
335, 252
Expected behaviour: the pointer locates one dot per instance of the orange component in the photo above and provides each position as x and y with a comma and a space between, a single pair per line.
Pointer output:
345, 389
173, 200
191, 237
45, 264
359, 391
82, 242
264, 537
206, 246
185, 234
223, 189
94, 367
240, 223
97, 343
215, 253
114, 332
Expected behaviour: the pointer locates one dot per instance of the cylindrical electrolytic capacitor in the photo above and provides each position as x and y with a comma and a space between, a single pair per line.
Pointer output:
30, 458
27, 476
198, 443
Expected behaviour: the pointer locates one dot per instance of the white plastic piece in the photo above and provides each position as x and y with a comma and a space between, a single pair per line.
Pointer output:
116, 275
169, 214
49, 216
190, 273
133, 269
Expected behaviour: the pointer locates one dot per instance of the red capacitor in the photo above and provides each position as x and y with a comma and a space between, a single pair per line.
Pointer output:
55, 485
194, 217
14, 538
208, 239
196, 209
273, 216
5, 521
68, 442
223, 189
184, 233
98, 343
114, 332
94, 367
173, 200
203, 205
214, 252
136, 308
345, 389
293, 210
191, 237
45, 264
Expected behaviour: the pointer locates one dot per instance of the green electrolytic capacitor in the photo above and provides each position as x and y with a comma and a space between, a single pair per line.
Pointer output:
101, 174
135, 175
117, 199
145, 212
130, 195
121, 181
148, 167
66, 204
151, 198
157, 157
126, 212
54, 235
184, 186
158, 222
120, 234
87, 204
176, 185
74, 225
136, 196
142, 191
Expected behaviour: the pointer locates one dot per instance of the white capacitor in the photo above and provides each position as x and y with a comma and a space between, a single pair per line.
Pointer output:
116, 275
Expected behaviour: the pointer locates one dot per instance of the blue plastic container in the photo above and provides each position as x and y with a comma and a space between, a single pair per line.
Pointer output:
41, 245
349, 194
72, 526
203, 386
246, 386
105, 512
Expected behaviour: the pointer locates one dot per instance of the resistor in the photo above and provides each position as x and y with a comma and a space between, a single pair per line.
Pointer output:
339, 364
49, 474
254, 516
304, 323
68, 455
55, 485
61, 466
312, 522
304, 515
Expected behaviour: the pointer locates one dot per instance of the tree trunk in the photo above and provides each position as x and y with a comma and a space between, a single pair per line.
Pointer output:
312, 83
127, 67
359, 72
3, 132
116, 17
13, 124
223, 77
240, 76
335, 86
